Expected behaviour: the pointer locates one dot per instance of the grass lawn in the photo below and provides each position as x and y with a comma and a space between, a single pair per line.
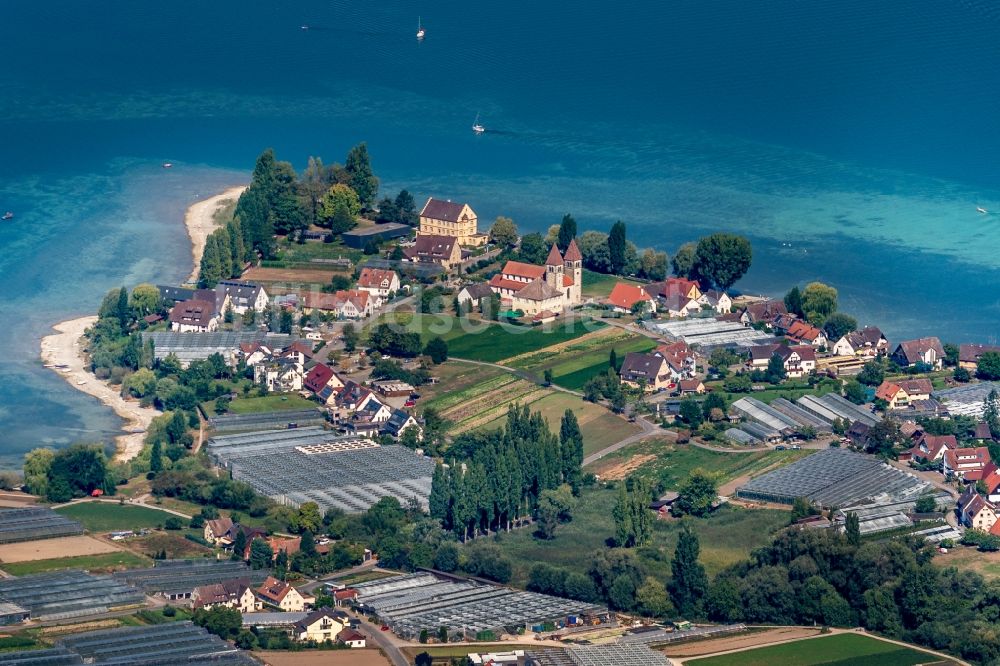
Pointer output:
599, 285
174, 543
110, 516
267, 403
103, 562
727, 536
838, 650
313, 250
673, 463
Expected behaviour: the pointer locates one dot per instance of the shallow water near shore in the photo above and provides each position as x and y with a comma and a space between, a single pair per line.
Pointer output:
851, 142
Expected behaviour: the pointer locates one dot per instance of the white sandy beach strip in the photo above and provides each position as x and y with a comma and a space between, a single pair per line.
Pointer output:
200, 223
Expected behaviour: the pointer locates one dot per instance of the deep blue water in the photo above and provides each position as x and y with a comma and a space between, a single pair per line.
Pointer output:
852, 141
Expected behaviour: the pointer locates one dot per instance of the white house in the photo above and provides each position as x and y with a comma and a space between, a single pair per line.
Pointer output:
869, 342
244, 295
379, 283
194, 317
717, 300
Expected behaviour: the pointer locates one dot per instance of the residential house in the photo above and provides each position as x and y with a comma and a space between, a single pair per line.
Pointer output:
235, 593
931, 448
680, 358
649, 370
928, 351
806, 333
400, 420
378, 282
858, 434
345, 596
624, 297
981, 432
555, 287
441, 250
282, 371
217, 530
474, 293
691, 387
344, 303
675, 286
798, 361
991, 479
762, 312
279, 594
903, 392
323, 382
968, 355
290, 545
171, 295
253, 353
868, 343
966, 464
760, 355
194, 317
446, 218
717, 300
678, 305
249, 534
218, 297
244, 296
351, 638
320, 625
976, 512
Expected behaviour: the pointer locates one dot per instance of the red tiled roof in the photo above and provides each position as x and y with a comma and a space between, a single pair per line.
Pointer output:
273, 589
673, 286
193, 313
317, 378
573, 252
887, 391
554, 258
503, 283
373, 277
626, 295
523, 270
800, 330
979, 456
916, 386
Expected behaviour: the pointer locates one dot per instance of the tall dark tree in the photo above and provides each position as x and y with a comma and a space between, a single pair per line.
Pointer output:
852, 529
567, 232
239, 545
363, 180
688, 582
683, 260
793, 301
571, 447
122, 310
156, 456
722, 259
406, 209
617, 247
254, 206
307, 544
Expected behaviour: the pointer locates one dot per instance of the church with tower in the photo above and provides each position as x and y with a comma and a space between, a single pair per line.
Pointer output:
539, 290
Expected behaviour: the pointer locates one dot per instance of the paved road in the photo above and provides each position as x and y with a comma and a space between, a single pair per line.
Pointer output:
384, 640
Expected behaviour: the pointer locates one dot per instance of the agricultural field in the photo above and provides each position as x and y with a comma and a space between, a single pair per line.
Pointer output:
121, 559
836, 650
110, 516
267, 403
662, 460
43, 549
727, 536
306, 252
176, 546
289, 276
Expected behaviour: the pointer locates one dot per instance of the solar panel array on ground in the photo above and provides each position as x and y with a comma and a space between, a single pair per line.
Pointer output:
424, 601
35, 522
835, 477
193, 346
66, 594
171, 643
710, 332
350, 480
966, 400
182, 576
266, 420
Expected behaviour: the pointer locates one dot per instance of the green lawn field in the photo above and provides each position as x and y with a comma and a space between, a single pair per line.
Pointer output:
110, 516
838, 650
267, 403
727, 536
599, 285
102, 562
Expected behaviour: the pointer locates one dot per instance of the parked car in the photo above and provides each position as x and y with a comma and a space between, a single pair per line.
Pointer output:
779, 447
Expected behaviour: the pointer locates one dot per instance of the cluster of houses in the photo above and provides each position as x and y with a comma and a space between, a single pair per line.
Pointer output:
203, 310
669, 367
673, 297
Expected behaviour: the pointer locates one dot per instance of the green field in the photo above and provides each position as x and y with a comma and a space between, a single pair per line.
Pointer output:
110, 516
790, 390
296, 253
838, 650
599, 285
102, 562
267, 403
727, 537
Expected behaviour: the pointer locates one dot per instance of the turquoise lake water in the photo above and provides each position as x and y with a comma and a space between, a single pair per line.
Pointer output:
852, 141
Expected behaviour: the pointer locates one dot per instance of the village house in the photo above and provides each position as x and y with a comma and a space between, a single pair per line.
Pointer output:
399, 421
675, 286
624, 297
378, 282
194, 317
678, 305
797, 361
282, 371
323, 382
691, 387
474, 293
760, 355
351, 638
531, 289
901, 393
645, 370
345, 597
680, 358
446, 218
991, 479
344, 303
928, 351
868, 343
966, 464
930, 448
762, 312
290, 545
217, 530
235, 593
717, 300
976, 512
806, 333
244, 296
279, 594
968, 355
444, 251
253, 353
320, 625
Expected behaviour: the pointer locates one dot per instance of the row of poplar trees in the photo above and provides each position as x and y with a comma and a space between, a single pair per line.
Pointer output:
507, 472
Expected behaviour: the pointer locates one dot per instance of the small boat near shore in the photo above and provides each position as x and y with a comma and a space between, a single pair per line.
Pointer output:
981, 210
168, 165
7, 216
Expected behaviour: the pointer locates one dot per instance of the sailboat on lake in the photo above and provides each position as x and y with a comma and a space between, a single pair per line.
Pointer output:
477, 127
420, 29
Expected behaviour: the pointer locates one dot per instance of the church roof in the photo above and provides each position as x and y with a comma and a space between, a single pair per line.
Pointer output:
573, 252
555, 259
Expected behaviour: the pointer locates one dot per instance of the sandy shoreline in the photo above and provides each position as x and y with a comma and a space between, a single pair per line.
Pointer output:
64, 349
200, 224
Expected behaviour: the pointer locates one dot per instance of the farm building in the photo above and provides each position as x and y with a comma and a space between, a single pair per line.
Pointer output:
967, 400
279, 420
836, 477
359, 238
176, 579
418, 601
710, 332
62, 595
33, 523
189, 347
170, 643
